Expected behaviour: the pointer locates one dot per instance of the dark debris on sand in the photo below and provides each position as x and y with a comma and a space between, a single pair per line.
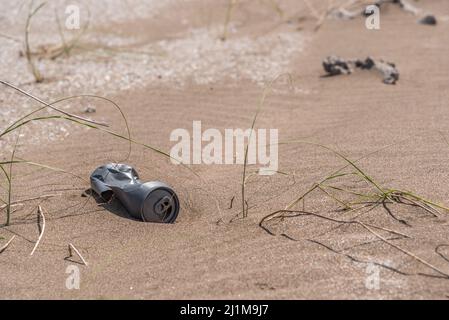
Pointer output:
428, 20
343, 14
334, 65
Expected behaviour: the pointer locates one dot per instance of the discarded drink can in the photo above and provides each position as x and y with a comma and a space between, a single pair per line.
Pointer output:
151, 201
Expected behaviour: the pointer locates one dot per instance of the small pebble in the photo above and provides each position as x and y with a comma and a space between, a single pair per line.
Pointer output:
428, 20
90, 109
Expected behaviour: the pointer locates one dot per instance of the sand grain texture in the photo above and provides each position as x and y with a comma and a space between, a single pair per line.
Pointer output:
198, 258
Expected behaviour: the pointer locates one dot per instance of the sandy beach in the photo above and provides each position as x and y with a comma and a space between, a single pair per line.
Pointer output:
164, 64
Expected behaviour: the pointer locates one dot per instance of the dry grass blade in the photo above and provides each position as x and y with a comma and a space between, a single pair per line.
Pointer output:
345, 205
45, 196
278, 215
51, 106
35, 164
65, 47
277, 8
366, 226
444, 137
72, 247
408, 253
312, 9
324, 15
9, 179
380, 193
230, 8
24, 120
7, 204
3, 248
9, 37
37, 75
266, 90
82, 121
40, 213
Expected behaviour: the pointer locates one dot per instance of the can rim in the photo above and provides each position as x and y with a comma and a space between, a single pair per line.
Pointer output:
175, 198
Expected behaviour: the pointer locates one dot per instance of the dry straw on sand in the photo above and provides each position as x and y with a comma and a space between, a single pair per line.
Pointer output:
378, 195
72, 247
4, 247
40, 215
62, 115
53, 51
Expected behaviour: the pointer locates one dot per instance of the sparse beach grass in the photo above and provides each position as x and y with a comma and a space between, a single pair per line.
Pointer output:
6, 167
363, 204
